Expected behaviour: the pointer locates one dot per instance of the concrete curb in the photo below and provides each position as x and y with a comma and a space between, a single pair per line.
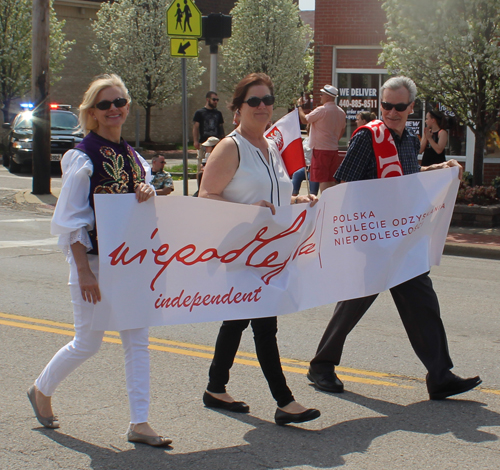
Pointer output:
472, 250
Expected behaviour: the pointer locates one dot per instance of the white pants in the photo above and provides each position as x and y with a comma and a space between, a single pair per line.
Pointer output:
87, 342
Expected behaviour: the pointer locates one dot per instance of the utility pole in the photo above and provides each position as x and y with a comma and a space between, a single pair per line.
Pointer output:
40, 89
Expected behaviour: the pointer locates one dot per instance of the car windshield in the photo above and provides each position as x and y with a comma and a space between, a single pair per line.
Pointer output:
63, 121
58, 120
23, 121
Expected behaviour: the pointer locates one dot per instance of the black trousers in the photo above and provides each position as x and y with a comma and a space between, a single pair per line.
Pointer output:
418, 308
266, 347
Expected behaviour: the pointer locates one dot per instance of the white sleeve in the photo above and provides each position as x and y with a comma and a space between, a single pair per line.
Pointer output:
73, 216
147, 169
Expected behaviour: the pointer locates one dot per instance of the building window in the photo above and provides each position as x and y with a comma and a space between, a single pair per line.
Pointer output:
360, 92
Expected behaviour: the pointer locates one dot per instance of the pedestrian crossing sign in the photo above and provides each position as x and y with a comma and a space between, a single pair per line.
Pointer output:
183, 19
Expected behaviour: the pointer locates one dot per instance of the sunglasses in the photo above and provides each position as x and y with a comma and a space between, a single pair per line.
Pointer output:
254, 101
398, 107
106, 104
214, 99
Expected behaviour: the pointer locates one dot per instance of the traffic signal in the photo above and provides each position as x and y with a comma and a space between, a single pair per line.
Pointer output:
215, 27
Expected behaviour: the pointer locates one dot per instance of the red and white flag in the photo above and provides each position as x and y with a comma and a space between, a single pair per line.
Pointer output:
286, 134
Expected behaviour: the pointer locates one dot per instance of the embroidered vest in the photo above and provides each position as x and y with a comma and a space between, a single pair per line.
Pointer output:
117, 170
386, 153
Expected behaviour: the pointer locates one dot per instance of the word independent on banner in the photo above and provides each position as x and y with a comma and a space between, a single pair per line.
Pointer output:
186, 260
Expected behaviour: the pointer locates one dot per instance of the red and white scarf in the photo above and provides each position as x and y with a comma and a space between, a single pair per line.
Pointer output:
386, 153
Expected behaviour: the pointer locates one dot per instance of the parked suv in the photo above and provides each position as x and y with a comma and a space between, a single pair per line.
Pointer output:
65, 134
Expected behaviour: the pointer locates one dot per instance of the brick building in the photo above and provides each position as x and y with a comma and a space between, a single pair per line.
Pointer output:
347, 37
80, 67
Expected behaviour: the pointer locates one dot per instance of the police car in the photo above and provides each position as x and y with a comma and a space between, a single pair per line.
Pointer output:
65, 134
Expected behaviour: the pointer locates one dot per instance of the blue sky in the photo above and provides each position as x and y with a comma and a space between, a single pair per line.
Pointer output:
306, 4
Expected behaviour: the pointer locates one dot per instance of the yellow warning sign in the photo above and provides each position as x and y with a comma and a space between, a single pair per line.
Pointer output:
183, 19
186, 47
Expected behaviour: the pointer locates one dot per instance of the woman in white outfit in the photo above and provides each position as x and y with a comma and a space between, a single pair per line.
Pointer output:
247, 168
102, 163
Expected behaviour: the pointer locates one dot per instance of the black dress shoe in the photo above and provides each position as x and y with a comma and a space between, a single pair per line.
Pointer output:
326, 381
282, 417
235, 406
453, 386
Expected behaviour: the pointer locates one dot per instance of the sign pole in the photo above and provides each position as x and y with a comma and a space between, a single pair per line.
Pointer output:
184, 126
184, 29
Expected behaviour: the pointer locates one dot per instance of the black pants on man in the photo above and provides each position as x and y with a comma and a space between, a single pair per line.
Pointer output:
418, 308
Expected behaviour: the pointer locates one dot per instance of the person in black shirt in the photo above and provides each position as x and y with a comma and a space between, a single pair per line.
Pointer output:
434, 140
208, 121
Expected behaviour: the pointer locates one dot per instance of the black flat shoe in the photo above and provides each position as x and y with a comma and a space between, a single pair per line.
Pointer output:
235, 406
282, 417
326, 381
453, 386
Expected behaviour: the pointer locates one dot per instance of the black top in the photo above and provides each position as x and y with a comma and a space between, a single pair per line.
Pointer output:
210, 121
430, 156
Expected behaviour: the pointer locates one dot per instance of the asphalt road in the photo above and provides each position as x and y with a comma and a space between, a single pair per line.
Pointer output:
383, 420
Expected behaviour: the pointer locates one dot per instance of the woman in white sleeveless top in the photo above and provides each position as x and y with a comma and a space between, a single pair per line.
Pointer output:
247, 168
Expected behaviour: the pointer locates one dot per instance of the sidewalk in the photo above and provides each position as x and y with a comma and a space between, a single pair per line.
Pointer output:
461, 241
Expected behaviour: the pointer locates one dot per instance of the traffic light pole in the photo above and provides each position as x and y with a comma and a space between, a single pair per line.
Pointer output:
213, 67
184, 126
40, 94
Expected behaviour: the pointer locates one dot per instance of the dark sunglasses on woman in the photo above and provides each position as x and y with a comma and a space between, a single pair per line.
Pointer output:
254, 101
106, 104
398, 107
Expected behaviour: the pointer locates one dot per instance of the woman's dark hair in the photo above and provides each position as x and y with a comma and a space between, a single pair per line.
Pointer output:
440, 118
242, 88
367, 116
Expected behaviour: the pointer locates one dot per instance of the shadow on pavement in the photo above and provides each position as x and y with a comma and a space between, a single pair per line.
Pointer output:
270, 446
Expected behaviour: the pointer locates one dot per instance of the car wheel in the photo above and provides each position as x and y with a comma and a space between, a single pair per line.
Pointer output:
5, 159
14, 167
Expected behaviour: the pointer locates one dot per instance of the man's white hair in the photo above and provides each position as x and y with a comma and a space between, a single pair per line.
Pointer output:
395, 83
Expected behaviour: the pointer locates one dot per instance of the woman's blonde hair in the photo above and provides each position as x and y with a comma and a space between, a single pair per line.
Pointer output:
99, 83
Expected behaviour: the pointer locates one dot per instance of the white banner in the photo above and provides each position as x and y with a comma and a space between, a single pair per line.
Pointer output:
180, 259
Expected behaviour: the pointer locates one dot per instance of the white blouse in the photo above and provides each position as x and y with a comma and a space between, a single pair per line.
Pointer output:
73, 217
256, 179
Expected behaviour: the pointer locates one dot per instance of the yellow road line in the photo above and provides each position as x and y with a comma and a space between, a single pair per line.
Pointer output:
195, 350
195, 347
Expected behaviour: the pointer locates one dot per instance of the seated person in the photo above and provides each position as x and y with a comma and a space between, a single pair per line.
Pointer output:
162, 180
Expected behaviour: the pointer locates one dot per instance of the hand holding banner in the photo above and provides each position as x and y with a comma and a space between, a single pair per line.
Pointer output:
185, 260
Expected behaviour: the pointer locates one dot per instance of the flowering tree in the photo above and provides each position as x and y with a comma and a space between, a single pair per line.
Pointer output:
131, 41
15, 50
451, 49
268, 36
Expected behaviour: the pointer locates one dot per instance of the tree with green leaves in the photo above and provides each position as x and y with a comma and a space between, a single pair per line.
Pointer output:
15, 50
268, 36
131, 41
451, 49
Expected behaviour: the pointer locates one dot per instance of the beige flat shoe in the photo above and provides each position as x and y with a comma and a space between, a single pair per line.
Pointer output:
155, 441
49, 422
